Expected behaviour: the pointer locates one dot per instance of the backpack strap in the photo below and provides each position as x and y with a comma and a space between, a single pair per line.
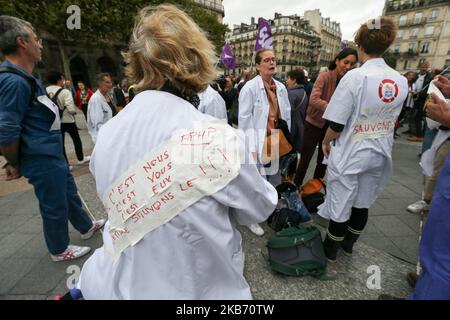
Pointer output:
55, 97
5, 69
284, 240
55, 101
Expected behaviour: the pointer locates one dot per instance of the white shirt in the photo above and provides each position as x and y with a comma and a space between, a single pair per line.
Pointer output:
368, 100
65, 102
254, 111
410, 99
419, 82
99, 112
212, 103
198, 254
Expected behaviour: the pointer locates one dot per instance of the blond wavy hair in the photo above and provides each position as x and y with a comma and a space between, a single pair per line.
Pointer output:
167, 44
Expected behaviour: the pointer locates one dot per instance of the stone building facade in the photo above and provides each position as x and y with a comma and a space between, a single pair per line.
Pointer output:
423, 32
330, 35
295, 43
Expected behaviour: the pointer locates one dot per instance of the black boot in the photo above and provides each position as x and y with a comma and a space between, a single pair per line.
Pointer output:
358, 221
335, 235
349, 241
330, 247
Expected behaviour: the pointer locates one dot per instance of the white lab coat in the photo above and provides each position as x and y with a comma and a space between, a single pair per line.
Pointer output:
254, 111
99, 112
213, 104
360, 163
198, 254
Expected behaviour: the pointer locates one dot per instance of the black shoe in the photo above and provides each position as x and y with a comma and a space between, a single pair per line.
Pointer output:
412, 278
389, 297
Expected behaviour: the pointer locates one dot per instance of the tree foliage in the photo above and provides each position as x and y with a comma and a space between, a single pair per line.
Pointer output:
103, 22
390, 58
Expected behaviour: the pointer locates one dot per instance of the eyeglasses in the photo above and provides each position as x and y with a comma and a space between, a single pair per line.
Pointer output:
267, 60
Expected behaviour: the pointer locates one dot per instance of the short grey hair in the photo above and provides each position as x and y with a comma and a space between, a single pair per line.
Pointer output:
10, 29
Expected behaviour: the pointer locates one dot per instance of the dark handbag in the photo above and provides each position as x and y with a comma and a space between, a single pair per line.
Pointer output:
281, 141
290, 210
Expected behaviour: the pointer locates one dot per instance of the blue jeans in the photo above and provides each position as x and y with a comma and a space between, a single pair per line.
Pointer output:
428, 138
59, 202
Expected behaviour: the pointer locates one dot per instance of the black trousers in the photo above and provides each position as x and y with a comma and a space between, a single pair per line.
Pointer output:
84, 108
312, 137
72, 129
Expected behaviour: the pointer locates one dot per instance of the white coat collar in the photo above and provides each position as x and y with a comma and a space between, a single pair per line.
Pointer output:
374, 62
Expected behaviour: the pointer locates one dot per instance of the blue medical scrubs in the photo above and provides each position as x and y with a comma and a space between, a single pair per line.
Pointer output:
434, 281
41, 158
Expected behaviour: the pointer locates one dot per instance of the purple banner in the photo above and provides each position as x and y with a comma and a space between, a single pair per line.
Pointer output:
227, 57
264, 36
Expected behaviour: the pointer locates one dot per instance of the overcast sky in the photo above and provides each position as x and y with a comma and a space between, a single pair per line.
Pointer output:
349, 13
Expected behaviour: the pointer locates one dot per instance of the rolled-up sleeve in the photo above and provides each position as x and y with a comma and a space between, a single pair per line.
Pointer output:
14, 100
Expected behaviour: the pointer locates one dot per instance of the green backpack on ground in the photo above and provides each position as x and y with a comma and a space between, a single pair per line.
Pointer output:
298, 251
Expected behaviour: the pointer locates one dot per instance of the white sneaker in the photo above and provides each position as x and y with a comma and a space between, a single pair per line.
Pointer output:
72, 252
96, 225
85, 159
418, 207
256, 229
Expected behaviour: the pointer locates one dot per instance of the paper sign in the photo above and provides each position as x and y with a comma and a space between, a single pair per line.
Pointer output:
373, 129
193, 164
433, 89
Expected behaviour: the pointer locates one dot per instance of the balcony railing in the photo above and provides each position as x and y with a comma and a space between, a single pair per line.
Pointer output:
413, 22
409, 53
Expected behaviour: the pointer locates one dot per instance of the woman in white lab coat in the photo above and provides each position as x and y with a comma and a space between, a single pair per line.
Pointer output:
261, 101
358, 144
198, 253
213, 104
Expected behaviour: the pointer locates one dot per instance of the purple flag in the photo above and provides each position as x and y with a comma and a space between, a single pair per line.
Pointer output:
264, 35
227, 57
343, 46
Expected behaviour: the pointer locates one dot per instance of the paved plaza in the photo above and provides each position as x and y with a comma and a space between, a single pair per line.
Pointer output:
390, 241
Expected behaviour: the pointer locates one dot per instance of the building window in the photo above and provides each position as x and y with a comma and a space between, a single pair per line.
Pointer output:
400, 34
397, 48
405, 65
411, 47
418, 17
448, 52
425, 47
447, 63
433, 15
414, 32
283, 69
429, 31
402, 20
